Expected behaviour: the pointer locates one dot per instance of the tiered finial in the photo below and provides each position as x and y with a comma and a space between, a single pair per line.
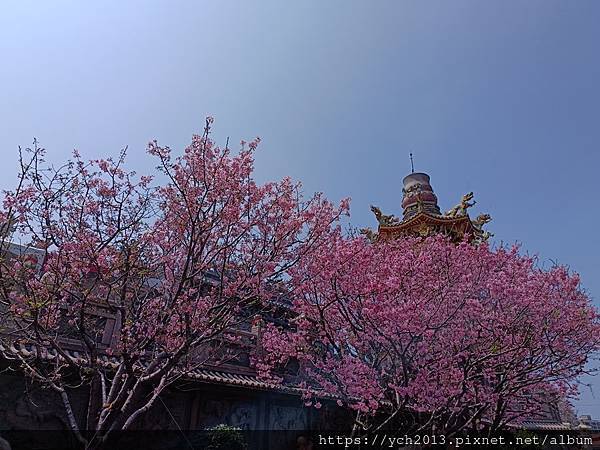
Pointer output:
418, 196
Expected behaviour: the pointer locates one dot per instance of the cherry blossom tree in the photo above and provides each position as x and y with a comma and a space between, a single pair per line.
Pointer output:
423, 335
123, 284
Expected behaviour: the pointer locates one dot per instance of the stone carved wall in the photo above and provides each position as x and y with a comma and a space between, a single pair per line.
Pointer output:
236, 410
26, 406
288, 417
281, 417
170, 412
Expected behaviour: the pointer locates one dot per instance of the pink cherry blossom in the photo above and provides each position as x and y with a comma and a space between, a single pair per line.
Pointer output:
173, 269
431, 335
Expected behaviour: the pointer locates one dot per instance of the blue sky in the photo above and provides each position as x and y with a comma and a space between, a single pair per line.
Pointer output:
500, 98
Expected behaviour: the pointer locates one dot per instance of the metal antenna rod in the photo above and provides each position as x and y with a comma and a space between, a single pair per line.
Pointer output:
412, 165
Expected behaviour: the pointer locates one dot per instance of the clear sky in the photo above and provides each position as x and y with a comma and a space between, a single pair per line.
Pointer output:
500, 97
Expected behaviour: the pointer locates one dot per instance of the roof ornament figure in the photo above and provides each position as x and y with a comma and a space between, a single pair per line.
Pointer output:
420, 204
461, 208
481, 234
481, 220
369, 234
486, 236
384, 219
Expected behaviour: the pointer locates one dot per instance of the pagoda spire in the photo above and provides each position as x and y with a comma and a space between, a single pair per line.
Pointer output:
418, 196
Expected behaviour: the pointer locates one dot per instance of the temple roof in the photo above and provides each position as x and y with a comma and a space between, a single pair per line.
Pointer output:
203, 373
423, 217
